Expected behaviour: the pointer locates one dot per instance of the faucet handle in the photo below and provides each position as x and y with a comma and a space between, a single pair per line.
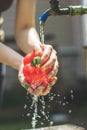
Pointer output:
54, 4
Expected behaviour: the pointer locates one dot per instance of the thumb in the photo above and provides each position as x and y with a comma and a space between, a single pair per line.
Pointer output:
38, 49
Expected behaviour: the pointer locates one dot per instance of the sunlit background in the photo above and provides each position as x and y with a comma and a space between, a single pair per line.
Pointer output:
67, 34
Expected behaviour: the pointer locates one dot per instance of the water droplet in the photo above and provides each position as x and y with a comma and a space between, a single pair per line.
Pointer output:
71, 91
25, 106
70, 111
51, 123
72, 96
58, 95
54, 95
64, 104
64, 98
51, 98
42, 123
67, 102
28, 114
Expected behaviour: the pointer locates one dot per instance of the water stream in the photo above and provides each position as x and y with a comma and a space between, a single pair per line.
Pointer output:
35, 98
38, 113
35, 114
42, 37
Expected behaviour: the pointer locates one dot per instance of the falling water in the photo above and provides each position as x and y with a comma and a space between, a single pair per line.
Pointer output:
43, 114
42, 37
42, 111
35, 114
43, 108
35, 98
35, 111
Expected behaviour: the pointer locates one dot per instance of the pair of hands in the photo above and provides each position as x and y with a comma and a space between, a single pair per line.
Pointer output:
48, 51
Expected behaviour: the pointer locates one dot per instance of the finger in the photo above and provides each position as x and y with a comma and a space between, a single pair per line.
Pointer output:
55, 70
30, 90
46, 91
39, 91
22, 79
51, 61
37, 46
37, 49
54, 79
46, 53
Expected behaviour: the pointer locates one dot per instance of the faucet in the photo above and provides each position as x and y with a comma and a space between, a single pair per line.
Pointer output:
55, 9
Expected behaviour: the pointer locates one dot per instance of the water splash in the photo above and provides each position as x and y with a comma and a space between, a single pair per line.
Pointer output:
39, 109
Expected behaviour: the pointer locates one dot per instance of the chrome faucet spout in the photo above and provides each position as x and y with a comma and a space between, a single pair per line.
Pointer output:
53, 10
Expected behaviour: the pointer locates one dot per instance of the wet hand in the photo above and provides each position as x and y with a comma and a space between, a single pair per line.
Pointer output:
48, 52
48, 58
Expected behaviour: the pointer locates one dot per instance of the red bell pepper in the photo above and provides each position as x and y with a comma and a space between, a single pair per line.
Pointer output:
33, 73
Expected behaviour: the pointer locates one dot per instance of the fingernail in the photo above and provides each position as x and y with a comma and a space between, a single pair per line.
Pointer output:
44, 68
38, 53
50, 76
54, 81
26, 86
